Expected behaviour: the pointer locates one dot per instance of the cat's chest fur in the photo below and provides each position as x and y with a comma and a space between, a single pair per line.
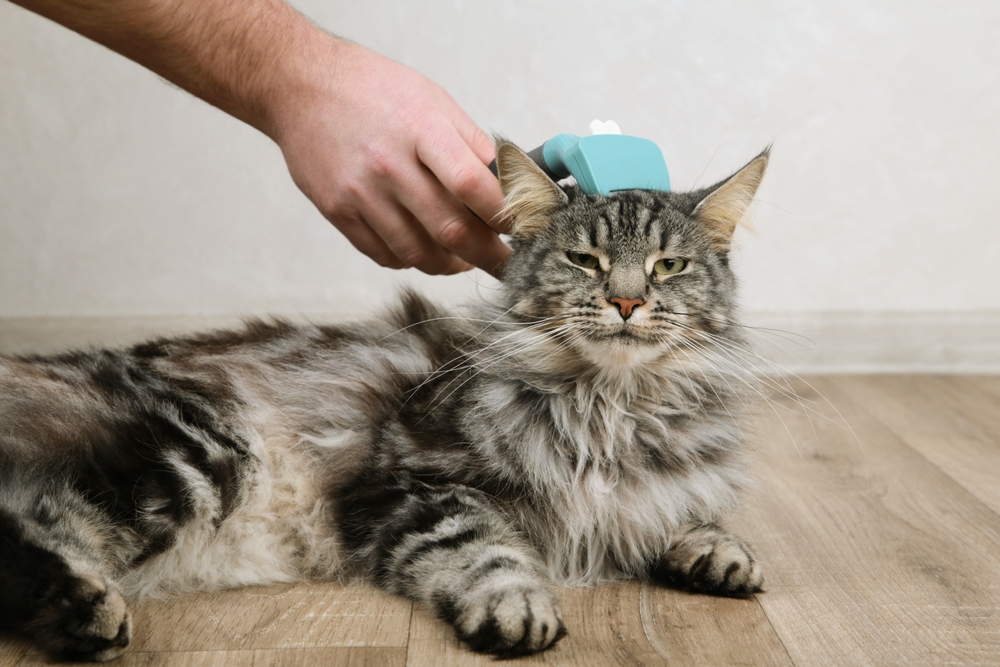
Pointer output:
609, 477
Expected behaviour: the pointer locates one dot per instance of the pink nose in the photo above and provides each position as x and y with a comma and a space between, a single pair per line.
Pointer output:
625, 306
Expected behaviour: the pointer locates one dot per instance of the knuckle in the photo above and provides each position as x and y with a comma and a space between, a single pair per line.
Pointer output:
357, 232
388, 261
418, 257
464, 182
381, 163
454, 233
349, 189
330, 206
338, 205
384, 258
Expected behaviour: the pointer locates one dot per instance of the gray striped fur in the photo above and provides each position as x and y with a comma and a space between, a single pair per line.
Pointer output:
467, 460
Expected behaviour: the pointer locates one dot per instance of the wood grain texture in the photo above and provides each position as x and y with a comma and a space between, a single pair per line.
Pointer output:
604, 626
987, 383
689, 629
12, 649
877, 522
331, 657
951, 421
872, 554
301, 616
628, 624
317, 657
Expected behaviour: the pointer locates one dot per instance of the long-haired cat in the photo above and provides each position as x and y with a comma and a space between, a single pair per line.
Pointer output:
580, 429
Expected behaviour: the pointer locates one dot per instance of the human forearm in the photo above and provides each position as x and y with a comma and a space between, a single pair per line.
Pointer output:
234, 54
384, 153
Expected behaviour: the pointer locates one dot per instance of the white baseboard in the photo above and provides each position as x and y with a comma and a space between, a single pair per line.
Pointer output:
813, 343
890, 342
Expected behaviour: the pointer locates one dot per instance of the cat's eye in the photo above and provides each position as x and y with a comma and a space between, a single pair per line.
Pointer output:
584, 260
669, 267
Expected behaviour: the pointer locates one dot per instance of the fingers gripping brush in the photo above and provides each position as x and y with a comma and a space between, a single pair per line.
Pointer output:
604, 162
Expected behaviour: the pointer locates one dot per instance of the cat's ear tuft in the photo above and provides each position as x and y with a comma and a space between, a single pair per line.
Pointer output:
530, 196
721, 210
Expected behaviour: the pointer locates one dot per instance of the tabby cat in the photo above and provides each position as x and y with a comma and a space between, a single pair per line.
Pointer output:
579, 429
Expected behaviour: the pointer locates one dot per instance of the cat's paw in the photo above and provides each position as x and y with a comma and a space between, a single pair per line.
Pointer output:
511, 621
86, 619
709, 560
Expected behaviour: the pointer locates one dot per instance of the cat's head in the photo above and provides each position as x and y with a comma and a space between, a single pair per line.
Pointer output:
626, 276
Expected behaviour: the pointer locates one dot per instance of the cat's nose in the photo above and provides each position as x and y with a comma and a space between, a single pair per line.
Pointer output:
625, 306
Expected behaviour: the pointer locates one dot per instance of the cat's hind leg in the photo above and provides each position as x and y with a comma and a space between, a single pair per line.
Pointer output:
52, 589
707, 559
450, 548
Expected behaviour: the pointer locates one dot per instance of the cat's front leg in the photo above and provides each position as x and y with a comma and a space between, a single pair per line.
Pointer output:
450, 548
83, 617
707, 559
63, 601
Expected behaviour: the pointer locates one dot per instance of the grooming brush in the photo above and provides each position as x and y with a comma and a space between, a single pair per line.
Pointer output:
604, 162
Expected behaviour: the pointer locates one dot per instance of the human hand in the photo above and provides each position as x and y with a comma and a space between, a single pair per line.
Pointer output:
391, 160
385, 154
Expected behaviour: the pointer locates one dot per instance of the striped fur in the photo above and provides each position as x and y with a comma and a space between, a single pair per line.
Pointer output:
468, 461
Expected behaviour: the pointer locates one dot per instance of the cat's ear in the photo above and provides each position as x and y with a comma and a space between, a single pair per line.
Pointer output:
530, 196
721, 210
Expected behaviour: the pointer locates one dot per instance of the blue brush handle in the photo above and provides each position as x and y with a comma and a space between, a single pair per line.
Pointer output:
602, 163
557, 152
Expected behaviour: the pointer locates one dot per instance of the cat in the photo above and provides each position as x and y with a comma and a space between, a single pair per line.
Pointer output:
580, 427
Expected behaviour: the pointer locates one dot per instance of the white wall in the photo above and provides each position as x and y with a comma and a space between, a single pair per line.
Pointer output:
120, 195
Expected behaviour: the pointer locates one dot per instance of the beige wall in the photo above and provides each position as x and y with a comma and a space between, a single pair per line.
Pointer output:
120, 195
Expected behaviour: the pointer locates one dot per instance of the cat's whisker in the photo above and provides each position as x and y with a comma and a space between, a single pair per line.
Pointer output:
446, 453
460, 318
727, 369
741, 355
510, 348
490, 347
730, 360
767, 400
549, 336
463, 362
503, 355
768, 378
744, 353
789, 336
735, 354
671, 349
788, 391
492, 361
722, 402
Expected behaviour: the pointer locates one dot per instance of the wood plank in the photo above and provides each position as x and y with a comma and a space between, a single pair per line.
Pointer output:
183, 659
951, 421
12, 649
872, 555
692, 629
310, 657
989, 383
300, 616
628, 624
331, 657
127, 660
604, 629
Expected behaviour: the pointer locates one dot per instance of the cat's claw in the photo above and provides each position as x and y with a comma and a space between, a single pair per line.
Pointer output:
88, 620
709, 560
512, 622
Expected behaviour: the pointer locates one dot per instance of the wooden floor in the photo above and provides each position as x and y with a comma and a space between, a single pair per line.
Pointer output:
876, 518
